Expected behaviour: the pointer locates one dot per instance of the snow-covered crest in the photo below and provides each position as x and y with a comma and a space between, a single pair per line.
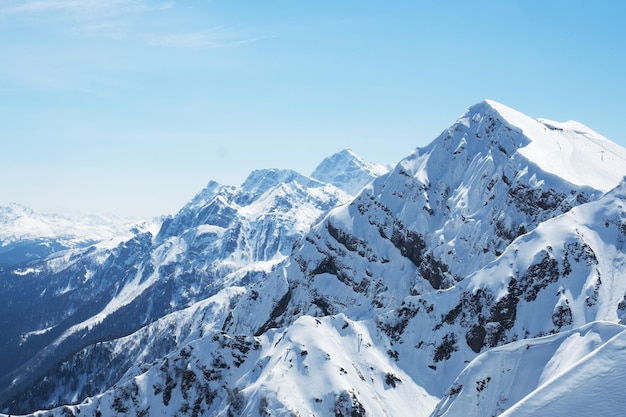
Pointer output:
569, 150
348, 171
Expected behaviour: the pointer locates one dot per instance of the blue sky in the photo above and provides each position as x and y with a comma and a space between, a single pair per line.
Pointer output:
130, 107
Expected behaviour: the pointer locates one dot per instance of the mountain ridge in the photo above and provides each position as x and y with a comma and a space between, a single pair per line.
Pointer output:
355, 171
26, 234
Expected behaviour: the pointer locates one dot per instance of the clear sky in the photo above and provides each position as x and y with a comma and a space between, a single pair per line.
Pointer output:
130, 107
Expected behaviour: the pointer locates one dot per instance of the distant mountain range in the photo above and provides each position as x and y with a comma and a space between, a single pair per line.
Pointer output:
484, 274
27, 235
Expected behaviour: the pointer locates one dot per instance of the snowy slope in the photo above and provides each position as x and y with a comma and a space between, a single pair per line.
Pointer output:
454, 206
436, 275
443, 213
563, 149
565, 273
594, 385
562, 374
325, 366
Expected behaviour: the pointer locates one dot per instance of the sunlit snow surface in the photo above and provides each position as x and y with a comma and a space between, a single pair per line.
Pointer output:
580, 372
569, 150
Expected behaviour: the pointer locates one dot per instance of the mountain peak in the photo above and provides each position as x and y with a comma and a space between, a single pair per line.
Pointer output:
490, 109
269, 176
557, 148
347, 171
261, 180
493, 105
205, 195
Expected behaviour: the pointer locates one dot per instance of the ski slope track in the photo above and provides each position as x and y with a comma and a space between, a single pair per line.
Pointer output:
484, 274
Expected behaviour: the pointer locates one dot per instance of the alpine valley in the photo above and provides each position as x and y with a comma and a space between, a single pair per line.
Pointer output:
483, 275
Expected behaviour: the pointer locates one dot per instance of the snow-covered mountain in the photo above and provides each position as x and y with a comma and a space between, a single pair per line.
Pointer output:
482, 275
348, 171
27, 235
433, 256
225, 236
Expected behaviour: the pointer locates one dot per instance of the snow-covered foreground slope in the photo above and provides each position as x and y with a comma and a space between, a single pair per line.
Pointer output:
592, 386
318, 366
578, 372
467, 252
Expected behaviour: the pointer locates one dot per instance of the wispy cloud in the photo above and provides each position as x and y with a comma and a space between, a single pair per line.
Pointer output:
118, 19
217, 37
108, 18
80, 6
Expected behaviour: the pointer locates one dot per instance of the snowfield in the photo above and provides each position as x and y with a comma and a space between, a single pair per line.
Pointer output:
562, 374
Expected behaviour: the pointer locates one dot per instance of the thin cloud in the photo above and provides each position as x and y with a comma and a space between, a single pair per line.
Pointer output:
80, 6
39, 6
111, 19
218, 37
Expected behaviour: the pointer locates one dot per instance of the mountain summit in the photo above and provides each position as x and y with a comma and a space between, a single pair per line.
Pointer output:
569, 150
482, 275
348, 171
